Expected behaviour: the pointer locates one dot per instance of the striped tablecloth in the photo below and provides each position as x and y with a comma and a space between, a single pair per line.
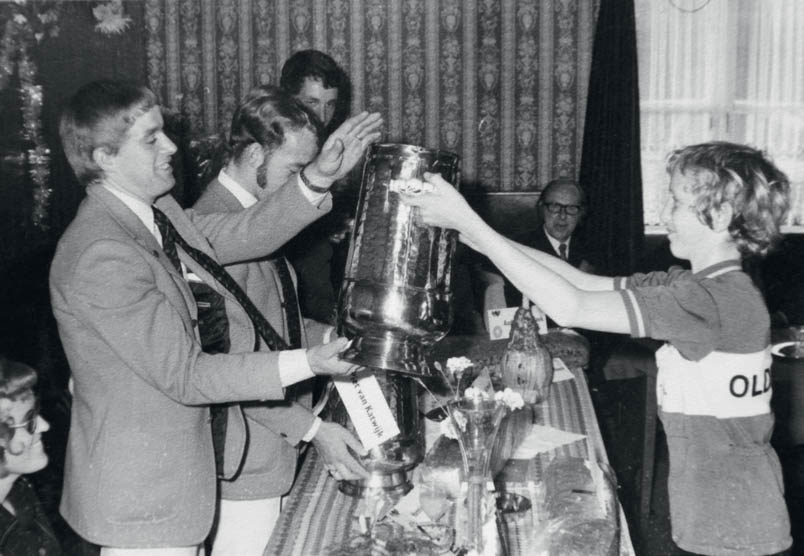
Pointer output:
317, 517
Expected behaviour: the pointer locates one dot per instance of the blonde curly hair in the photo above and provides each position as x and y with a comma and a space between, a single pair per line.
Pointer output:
743, 177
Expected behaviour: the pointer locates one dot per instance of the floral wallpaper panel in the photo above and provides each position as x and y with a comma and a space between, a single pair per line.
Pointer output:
500, 82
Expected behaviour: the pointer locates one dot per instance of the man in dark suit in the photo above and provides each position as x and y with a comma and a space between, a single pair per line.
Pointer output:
561, 208
319, 253
272, 137
140, 469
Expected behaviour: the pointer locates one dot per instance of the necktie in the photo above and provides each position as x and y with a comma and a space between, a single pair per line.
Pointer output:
290, 302
171, 238
562, 250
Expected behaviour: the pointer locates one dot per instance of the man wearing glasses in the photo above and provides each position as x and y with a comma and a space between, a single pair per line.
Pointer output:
561, 208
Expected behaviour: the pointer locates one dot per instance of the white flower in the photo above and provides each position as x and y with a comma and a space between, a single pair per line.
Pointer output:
510, 398
475, 394
458, 364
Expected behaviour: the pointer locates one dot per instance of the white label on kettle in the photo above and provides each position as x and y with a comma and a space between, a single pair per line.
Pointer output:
367, 407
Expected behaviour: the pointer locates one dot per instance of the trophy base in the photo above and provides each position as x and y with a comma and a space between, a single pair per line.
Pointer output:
386, 482
390, 353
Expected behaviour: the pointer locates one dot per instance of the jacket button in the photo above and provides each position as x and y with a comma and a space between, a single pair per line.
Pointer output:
283, 435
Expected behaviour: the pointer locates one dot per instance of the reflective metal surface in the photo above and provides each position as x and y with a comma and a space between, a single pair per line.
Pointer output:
388, 462
396, 296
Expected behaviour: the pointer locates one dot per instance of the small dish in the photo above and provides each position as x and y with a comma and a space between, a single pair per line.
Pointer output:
786, 350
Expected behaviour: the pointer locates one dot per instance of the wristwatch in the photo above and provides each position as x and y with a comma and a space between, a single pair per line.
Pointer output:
310, 186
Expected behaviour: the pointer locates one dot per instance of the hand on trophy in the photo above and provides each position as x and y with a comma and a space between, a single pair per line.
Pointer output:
324, 359
440, 205
343, 149
332, 442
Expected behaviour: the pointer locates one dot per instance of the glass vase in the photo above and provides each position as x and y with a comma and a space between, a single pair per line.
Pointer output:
478, 422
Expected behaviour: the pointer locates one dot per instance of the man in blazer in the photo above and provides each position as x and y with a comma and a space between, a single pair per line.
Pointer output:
272, 137
140, 471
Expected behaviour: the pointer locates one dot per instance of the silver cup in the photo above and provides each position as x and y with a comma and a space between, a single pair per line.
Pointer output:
395, 301
389, 462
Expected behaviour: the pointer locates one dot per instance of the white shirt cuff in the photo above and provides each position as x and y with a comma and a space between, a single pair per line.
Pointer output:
313, 430
328, 335
294, 367
310, 195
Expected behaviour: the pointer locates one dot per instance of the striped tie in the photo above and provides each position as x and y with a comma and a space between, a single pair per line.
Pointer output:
171, 238
290, 302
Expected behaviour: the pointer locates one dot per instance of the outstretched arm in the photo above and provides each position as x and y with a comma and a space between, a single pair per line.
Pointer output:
569, 296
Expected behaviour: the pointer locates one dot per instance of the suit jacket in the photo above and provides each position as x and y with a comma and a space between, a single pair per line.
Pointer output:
579, 257
275, 428
139, 469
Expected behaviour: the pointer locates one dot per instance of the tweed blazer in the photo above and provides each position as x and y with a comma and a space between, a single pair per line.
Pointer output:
139, 469
275, 428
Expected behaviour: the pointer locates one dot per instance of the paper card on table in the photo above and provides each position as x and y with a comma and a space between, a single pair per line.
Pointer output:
367, 407
560, 370
500, 321
541, 438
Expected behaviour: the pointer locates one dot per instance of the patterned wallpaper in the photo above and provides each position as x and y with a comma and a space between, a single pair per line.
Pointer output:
500, 82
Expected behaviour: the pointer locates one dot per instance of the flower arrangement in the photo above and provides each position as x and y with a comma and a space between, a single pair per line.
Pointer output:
507, 398
474, 420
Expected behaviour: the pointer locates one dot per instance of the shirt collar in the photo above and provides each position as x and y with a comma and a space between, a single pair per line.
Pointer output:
142, 210
555, 243
244, 197
722, 267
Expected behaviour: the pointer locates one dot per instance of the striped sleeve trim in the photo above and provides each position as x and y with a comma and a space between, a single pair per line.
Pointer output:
620, 282
636, 321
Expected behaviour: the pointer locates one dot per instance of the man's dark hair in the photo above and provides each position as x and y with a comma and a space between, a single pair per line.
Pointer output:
266, 114
316, 65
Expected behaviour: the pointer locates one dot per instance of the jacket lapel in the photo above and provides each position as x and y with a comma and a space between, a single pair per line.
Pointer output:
129, 222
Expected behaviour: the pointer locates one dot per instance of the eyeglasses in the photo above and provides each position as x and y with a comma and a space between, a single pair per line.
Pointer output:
556, 208
30, 425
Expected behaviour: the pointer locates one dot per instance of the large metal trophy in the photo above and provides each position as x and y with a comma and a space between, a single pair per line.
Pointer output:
395, 302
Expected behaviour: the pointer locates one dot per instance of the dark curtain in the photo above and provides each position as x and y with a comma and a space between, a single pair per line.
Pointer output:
610, 162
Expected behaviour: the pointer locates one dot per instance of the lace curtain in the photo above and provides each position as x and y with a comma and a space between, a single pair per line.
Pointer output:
720, 69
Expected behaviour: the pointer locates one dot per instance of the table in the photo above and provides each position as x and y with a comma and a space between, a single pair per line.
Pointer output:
318, 517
